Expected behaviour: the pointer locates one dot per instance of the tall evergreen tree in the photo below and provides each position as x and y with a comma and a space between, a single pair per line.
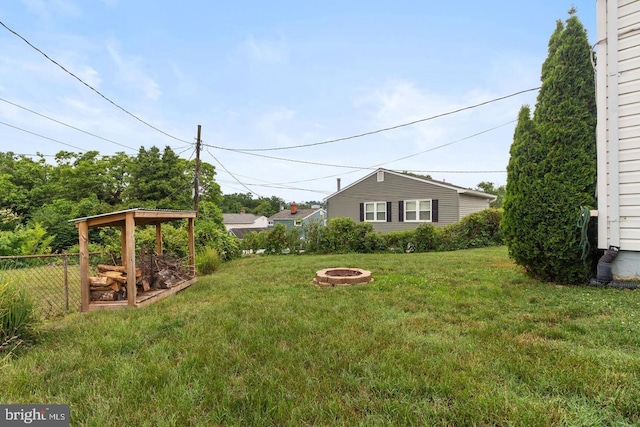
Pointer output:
552, 169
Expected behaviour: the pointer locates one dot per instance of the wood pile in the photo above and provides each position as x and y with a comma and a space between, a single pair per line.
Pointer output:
111, 283
156, 272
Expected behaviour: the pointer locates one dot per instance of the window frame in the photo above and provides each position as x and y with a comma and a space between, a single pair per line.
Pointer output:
375, 211
417, 210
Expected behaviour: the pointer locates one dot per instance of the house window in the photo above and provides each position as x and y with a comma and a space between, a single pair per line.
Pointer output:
375, 211
417, 210
297, 222
380, 176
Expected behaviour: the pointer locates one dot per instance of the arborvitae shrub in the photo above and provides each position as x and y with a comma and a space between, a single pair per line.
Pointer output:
552, 168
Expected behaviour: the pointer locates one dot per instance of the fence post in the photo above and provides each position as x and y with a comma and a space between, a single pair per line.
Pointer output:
66, 282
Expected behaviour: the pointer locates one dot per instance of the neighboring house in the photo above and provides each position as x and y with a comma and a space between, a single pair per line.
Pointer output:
295, 217
618, 134
241, 232
244, 220
394, 201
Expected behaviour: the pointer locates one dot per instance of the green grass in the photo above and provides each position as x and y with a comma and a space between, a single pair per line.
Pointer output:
447, 339
45, 286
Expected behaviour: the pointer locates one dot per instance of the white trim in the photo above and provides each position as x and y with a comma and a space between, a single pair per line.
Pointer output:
417, 210
375, 211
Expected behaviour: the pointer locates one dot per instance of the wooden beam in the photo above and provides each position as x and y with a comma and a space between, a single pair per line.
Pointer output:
83, 242
159, 239
192, 247
123, 245
130, 259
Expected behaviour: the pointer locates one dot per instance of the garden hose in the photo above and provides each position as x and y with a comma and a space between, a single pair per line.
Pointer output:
583, 225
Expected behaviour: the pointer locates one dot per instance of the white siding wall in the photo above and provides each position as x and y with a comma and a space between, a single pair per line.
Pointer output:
618, 83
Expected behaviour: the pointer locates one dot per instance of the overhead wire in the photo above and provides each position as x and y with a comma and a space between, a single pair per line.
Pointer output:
42, 136
91, 87
373, 167
232, 175
66, 124
459, 110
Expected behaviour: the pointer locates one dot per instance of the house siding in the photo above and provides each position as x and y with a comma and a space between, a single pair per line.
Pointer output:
618, 86
393, 189
471, 204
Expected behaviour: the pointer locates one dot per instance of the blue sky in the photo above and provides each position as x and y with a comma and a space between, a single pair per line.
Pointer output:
277, 74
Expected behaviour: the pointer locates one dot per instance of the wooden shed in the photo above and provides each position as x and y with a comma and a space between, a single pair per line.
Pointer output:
127, 220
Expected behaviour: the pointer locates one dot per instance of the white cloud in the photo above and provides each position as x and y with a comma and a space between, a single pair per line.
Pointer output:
47, 9
272, 124
269, 51
130, 69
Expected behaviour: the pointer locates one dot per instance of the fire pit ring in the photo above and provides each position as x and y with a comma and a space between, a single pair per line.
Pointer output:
342, 276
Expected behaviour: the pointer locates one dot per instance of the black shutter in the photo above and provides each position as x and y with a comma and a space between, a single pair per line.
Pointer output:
388, 211
434, 210
361, 212
401, 211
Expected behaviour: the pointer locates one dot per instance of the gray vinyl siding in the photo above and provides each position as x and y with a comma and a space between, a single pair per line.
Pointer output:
470, 204
393, 189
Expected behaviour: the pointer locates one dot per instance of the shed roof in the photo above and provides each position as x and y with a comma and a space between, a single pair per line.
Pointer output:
140, 215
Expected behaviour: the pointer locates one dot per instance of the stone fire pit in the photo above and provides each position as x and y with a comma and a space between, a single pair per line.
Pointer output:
342, 276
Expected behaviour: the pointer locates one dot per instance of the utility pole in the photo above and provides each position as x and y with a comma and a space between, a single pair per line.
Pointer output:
196, 181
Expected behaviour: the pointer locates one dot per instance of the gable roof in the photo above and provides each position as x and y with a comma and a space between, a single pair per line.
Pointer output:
458, 189
300, 214
238, 218
241, 232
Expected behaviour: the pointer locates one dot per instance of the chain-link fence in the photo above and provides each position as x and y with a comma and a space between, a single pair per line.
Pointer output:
51, 281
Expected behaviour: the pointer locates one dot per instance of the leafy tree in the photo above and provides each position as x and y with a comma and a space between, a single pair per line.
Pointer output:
490, 188
234, 203
552, 169
160, 180
23, 183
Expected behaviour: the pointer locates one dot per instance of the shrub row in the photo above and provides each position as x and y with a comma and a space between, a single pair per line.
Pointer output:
343, 235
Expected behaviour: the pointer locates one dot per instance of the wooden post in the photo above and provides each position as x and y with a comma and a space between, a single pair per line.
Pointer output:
123, 245
130, 257
159, 239
83, 237
196, 180
192, 249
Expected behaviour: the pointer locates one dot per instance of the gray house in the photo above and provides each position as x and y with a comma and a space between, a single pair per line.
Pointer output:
295, 217
394, 201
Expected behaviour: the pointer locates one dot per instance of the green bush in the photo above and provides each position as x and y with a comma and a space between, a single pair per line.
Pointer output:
207, 261
254, 241
276, 240
426, 237
399, 241
477, 230
313, 237
552, 167
17, 317
339, 236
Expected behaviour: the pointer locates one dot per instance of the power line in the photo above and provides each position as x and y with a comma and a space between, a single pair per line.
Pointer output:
91, 87
232, 175
65, 124
42, 136
383, 129
358, 167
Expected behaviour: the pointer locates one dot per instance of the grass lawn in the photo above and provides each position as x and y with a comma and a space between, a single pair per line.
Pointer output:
447, 339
